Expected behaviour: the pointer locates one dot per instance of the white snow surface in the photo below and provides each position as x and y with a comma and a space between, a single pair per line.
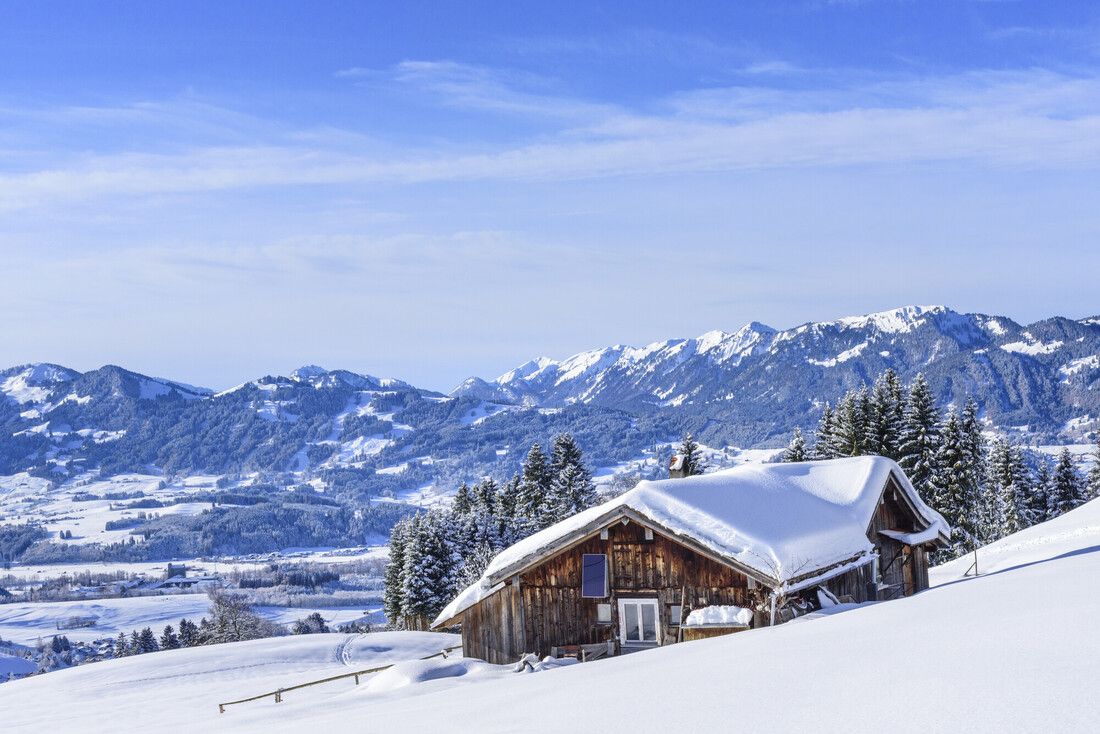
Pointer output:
179, 690
779, 520
1033, 347
985, 665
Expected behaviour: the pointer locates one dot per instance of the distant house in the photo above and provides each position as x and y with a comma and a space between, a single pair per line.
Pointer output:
747, 547
187, 582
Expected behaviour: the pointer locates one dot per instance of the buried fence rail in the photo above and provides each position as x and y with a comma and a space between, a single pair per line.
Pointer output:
278, 694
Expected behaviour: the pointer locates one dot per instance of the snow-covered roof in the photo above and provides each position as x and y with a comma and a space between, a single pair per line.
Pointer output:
778, 522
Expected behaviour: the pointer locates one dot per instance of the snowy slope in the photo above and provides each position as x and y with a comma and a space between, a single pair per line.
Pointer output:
178, 690
974, 655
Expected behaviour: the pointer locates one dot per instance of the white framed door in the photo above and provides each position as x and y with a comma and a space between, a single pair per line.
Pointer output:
639, 622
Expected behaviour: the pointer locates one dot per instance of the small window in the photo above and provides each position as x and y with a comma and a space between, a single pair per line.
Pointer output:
594, 576
603, 614
675, 613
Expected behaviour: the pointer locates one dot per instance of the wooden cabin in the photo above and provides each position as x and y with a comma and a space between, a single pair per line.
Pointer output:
760, 544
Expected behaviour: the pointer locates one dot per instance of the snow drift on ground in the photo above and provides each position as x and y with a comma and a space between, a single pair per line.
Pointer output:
179, 690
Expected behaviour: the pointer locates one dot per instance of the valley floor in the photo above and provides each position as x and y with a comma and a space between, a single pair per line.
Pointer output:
1013, 650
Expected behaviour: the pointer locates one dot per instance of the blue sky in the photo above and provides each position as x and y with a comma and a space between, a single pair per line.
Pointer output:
216, 191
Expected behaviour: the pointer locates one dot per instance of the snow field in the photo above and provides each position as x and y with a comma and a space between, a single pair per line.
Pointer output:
26, 623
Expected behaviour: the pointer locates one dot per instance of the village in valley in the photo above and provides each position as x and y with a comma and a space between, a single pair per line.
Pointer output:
522, 367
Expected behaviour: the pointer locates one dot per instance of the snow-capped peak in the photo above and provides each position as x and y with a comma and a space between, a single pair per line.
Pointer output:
894, 321
31, 383
308, 372
526, 370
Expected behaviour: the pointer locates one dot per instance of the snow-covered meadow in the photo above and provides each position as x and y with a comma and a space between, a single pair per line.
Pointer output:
27, 622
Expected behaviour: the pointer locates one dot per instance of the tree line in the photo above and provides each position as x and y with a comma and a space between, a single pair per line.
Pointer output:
984, 489
435, 554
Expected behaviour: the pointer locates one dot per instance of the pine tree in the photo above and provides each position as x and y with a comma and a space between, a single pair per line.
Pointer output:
796, 449
485, 497
475, 565
849, 426
134, 645
507, 501
428, 582
463, 500
824, 436
693, 464
393, 592
533, 510
189, 633
148, 640
573, 490
1008, 489
571, 487
122, 647
169, 640
951, 496
920, 437
1067, 489
1039, 500
1094, 473
886, 416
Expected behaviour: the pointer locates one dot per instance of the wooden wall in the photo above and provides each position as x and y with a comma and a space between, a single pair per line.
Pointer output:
554, 614
905, 569
493, 629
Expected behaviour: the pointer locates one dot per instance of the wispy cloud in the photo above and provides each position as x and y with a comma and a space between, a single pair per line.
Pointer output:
468, 86
1030, 119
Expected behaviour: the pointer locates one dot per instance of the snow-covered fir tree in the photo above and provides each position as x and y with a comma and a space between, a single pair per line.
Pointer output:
952, 495
1067, 487
189, 633
693, 463
148, 640
463, 501
1008, 487
1039, 504
1094, 472
796, 449
571, 487
122, 646
169, 640
507, 501
485, 497
392, 595
428, 574
849, 425
573, 490
920, 437
533, 507
887, 413
825, 435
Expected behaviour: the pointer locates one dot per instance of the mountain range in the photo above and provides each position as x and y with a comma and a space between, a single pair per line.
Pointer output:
746, 388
